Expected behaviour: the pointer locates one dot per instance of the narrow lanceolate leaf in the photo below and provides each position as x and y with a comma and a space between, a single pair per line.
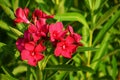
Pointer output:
81, 49
106, 15
71, 17
5, 26
15, 31
107, 26
114, 67
8, 75
101, 52
1, 45
5, 2
69, 68
7, 10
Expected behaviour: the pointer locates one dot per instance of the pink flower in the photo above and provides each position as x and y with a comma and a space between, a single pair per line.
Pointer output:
56, 31
65, 48
20, 44
40, 15
39, 30
32, 53
34, 32
21, 15
75, 36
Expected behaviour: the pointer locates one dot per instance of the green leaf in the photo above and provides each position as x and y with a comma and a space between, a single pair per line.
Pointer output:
5, 2
6, 27
19, 69
101, 52
8, 75
106, 27
8, 11
69, 68
71, 17
1, 45
82, 49
17, 32
114, 68
3, 25
15, 4
106, 15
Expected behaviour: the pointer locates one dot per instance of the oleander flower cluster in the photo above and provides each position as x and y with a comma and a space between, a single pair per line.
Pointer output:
31, 46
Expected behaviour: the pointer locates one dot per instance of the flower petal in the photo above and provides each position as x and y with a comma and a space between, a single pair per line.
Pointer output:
57, 51
21, 16
66, 54
40, 47
30, 46
20, 44
25, 55
39, 56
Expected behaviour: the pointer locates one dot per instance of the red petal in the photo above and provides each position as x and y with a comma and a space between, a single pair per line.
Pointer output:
18, 20
39, 56
32, 61
70, 40
66, 54
30, 46
27, 35
21, 15
32, 28
40, 48
26, 11
57, 51
25, 55
20, 44
77, 37
70, 29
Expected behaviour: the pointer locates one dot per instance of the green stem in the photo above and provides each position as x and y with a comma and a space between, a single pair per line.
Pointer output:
89, 53
28, 73
5, 71
90, 44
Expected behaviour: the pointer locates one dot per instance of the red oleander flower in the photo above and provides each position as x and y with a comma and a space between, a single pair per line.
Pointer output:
39, 30
21, 41
75, 36
32, 53
34, 32
56, 31
40, 15
65, 47
20, 44
21, 15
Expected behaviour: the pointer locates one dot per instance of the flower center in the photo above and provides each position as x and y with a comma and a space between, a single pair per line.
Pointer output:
32, 53
54, 33
64, 46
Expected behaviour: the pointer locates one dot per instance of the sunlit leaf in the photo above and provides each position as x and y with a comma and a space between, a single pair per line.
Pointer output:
19, 69
8, 11
71, 17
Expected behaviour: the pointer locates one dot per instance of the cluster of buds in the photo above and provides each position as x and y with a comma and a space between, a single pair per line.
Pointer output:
31, 45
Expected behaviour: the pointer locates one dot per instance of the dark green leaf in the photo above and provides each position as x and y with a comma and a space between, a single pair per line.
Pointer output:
107, 26
69, 68
106, 15
81, 49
